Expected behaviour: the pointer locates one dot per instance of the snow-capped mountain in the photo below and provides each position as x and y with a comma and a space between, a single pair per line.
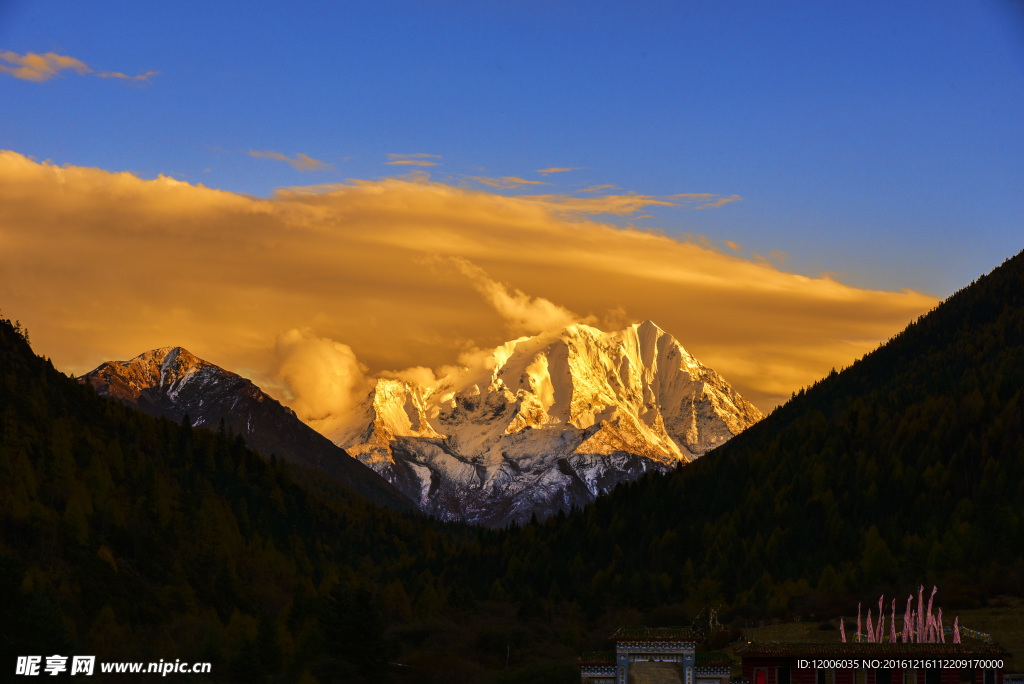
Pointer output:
546, 423
174, 383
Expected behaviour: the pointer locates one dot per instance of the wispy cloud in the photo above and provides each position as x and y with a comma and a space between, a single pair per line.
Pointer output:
693, 196
558, 169
354, 269
419, 159
505, 182
138, 79
39, 68
720, 202
301, 162
615, 205
624, 204
35, 67
705, 200
598, 188
732, 245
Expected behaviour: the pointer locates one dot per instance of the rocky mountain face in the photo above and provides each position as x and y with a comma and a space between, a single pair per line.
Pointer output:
174, 383
545, 424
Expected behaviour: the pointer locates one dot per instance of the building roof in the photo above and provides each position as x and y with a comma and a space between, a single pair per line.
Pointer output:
598, 658
654, 634
713, 659
773, 649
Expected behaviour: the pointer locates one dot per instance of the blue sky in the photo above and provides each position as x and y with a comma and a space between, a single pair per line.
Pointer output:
823, 171
878, 141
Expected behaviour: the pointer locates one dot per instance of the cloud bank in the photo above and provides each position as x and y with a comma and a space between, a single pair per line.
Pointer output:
371, 276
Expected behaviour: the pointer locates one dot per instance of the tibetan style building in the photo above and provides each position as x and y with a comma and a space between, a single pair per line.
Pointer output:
872, 663
670, 650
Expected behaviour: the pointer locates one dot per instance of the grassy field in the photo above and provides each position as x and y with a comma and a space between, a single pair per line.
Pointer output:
1002, 617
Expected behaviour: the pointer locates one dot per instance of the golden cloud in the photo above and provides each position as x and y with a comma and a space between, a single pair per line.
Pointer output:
617, 205
301, 162
505, 182
419, 159
388, 275
523, 314
558, 169
137, 79
39, 68
720, 202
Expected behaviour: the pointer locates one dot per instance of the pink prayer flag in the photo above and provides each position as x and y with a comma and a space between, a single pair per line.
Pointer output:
892, 623
881, 619
842, 630
858, 622
956, 630
907, 617
928, 617
871, 630
920, 613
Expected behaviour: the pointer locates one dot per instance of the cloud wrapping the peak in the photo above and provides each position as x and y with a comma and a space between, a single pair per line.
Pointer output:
323, 377
523, 314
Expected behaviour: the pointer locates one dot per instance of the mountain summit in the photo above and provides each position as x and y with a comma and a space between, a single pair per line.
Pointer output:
174, 383
545, 423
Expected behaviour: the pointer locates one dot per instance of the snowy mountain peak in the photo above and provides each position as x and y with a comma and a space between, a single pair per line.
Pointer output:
168, 367
581, 406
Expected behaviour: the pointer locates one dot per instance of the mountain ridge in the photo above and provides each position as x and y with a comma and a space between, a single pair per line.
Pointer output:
174, 383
